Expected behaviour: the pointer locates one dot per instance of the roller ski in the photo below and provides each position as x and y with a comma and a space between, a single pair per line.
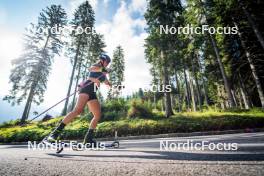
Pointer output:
93, 146
53, 139
90, 143
56, 144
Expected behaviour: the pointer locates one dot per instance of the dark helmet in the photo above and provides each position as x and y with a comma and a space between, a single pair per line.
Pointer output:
105, 57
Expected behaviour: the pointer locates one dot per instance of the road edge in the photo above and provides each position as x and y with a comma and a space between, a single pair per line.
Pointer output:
169, 135
187, 134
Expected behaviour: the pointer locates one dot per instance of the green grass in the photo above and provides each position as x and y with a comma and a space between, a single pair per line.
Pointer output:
209, 120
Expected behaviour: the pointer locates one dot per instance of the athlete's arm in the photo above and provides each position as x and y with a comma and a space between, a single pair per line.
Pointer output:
95, 68
108, 83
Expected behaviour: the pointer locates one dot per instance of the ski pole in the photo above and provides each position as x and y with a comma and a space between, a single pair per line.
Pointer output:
62, 100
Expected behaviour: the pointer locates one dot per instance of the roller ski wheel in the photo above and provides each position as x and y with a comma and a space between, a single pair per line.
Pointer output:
60, 147
51, 142
114, 144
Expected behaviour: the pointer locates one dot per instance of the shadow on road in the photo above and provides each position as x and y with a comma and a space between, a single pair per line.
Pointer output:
152, 155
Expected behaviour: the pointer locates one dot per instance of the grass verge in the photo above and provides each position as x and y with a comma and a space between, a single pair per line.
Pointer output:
180, 122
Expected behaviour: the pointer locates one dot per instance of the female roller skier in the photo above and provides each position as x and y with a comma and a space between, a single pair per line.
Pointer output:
87, 95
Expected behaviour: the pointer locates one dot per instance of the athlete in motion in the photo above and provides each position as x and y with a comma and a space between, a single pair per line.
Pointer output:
87, 95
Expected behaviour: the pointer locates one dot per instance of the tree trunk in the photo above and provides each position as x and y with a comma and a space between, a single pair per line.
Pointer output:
187, 89
203, 84
252, 24
163, 105
32, 89
234, 97
76, 86
178, 93
257, 80
192, 91
220, 96
155, 100
167, 96
197, 83
198, 93
246, 105
71, 80
193, 95
244, 93
223, 73
226, 82
205, 93
240, 98
27, 106
89, 58
253, 69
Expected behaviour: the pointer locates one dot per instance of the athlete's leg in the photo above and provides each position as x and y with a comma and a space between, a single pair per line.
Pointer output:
95, 108
81, 102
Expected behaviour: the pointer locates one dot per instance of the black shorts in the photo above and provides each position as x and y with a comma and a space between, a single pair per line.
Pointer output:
89, 89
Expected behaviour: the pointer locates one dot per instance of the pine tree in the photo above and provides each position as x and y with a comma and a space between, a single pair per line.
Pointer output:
31, 70
117, 71
83, 19
161, 45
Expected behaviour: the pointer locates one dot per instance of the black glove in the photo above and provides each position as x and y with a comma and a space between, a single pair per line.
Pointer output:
105, 70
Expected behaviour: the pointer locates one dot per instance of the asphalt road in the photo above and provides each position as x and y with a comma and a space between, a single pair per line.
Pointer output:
144, 157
